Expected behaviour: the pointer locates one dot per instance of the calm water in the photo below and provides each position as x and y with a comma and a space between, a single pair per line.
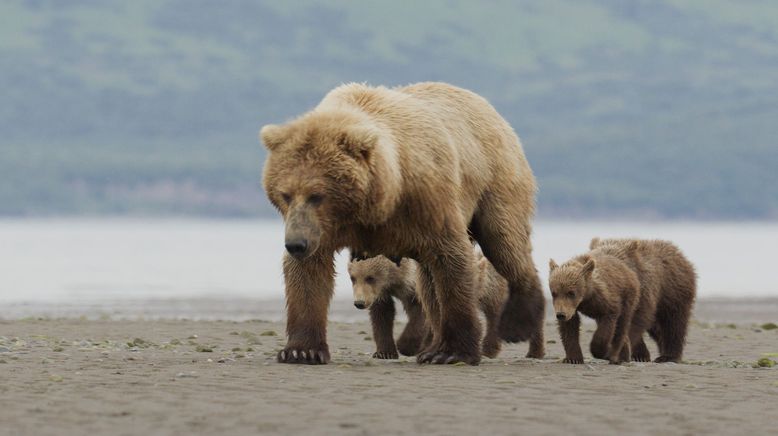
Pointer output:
74, 261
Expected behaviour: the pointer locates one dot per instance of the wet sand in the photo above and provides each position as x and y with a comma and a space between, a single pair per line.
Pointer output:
104, 375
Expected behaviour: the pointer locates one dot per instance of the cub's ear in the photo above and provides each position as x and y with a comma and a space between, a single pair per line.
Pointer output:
588, 267
396, 259
358, 141
594, 243
273, 136
552, 265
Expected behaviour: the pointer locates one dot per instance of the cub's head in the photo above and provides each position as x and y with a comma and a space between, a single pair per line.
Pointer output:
569, 285
370, 277
320, 174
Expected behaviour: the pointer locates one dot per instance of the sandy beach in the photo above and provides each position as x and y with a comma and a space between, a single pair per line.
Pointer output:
146, 375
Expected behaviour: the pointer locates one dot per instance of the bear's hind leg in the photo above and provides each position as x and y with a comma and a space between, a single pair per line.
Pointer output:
673, 325
503, 233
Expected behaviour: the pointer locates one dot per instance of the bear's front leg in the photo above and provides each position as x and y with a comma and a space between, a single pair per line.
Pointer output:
459, 335
382, 320
569, 331
309, 287
603, 336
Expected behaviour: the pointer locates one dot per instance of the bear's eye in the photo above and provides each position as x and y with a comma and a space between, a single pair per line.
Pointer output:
571, 294
369, 280
353, 280
286, 197
553, 295
315, 199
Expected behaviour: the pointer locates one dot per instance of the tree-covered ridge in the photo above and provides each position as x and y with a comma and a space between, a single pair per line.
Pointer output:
659, 108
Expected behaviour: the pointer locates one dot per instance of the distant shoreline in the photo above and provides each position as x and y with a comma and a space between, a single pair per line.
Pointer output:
709, 309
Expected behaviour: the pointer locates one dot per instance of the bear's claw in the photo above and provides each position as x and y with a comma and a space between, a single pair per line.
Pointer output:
311, 356
665, 359
385, 355
575, 360
445, 358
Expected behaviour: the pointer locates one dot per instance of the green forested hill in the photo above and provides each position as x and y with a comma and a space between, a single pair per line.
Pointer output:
626, 108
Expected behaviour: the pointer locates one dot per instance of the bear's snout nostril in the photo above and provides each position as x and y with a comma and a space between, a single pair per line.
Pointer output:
359, 304
560, 316
297, 248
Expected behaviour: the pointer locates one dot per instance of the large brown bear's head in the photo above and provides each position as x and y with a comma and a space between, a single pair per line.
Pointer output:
328, 170
570, 284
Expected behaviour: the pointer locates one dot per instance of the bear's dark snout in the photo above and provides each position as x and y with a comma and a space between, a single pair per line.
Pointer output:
297, 248
560, 316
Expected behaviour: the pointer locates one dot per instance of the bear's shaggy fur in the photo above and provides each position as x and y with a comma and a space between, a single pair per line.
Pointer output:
668, 285
601, 287
406, 172
376, 281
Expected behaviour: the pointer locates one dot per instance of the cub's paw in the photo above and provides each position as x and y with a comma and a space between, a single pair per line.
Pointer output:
665, 359
385, 355
308, 356
641, 358
573, 360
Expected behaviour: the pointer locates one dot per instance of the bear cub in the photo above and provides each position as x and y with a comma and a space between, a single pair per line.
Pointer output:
377, 279
601, 287
668, 287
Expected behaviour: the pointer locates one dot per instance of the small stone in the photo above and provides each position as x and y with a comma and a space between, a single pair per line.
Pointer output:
192, 337
236, 349
190, 374
55, 378
203, 349
58, 349
551, 341
175, 342
765, 362
769, 326
268, 333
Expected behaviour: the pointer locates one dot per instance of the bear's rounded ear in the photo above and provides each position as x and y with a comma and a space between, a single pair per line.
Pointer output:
588, 267
358, 141
396, 259
594, 243
273, 136
552, 265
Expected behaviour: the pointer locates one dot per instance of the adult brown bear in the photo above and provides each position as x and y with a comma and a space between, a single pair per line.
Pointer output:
411, 172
